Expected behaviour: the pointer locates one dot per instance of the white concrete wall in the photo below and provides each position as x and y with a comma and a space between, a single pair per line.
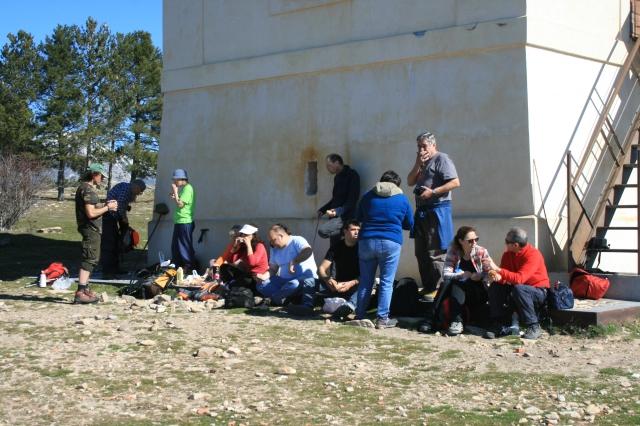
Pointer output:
255, 89
574, 53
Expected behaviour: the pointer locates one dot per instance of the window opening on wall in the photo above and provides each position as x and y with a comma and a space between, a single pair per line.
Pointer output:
311, 178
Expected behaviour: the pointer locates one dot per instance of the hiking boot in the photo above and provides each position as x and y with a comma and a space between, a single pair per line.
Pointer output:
532, 332
430, 297
85, 296
425, 327
386, 323
300, 310
455, 328
342, 313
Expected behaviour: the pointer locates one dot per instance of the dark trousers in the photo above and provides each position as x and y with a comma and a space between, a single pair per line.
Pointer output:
182, 253
110, 245
524, 299
236, 277
427, 249
331, 229
470, 294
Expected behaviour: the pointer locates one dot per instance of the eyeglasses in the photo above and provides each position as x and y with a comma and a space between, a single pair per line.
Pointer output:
473, 240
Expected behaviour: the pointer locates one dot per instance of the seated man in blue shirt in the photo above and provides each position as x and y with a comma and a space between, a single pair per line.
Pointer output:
292, 270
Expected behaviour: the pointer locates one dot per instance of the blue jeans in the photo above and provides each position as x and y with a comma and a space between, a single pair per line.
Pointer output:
374, 253
278, 289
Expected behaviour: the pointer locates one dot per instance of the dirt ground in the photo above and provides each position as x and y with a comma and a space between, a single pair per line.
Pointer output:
131, 362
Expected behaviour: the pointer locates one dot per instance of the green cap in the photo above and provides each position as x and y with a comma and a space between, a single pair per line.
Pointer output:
97, 168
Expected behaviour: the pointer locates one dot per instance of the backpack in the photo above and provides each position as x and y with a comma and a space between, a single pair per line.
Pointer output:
588, 286
129, 240
54, 271
405, 298
151, 281
560, 296
239, 297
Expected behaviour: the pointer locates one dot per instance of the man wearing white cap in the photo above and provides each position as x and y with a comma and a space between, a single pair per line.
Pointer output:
183, 194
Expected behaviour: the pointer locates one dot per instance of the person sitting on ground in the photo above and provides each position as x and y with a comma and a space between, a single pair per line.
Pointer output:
520, 283
339, 272
244, 262
465, 274
292, 270
384, 212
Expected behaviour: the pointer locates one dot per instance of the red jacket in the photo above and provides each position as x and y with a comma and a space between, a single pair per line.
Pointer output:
525, 267
257, 263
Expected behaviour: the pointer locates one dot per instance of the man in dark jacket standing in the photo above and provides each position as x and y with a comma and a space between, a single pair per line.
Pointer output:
345, 194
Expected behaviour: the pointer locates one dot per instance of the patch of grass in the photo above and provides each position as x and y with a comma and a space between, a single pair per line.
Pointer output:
450, 354
613, 371
446, 415
590, 332
57, 372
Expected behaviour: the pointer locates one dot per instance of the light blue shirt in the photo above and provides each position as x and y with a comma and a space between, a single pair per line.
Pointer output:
282, 257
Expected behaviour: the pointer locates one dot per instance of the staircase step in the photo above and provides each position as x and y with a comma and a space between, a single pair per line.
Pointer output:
622, 206
618, 228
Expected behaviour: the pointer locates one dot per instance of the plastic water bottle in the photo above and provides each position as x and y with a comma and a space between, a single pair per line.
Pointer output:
43, 280
180, 275
216, 274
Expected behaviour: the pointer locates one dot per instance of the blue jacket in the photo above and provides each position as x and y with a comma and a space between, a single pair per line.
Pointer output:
384, 212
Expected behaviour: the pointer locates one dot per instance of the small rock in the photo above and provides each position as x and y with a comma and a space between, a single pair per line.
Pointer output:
349, 389
168, 407
147, 342
366, 323
560, 398
592, 410
532, 410
122, 327
202, 411
523, 420
286, 371
82, 386
86, 332
552, 416
85, 321
197, 396
50, 230
233, 351
259, 374
104, 297
207, 352
160, 309
594, 361
196, 308
162, 298
624, 382
519, 351
111, 317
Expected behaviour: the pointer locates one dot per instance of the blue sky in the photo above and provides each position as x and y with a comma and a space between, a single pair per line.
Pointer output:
39, 17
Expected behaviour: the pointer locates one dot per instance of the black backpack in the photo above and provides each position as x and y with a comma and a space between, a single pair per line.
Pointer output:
405, 298
239, 297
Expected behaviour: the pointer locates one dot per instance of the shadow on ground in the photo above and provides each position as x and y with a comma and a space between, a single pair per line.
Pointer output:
33, 298
23, 255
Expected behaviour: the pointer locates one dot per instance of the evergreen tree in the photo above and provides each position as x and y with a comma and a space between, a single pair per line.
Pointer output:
19, 62
143, 69
60, 109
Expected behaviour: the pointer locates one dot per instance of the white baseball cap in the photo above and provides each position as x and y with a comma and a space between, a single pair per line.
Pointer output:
248, 230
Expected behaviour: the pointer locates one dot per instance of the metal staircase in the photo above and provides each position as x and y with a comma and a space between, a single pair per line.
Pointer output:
616, 209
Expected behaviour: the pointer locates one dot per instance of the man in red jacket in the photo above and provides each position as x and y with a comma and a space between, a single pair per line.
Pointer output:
520, 284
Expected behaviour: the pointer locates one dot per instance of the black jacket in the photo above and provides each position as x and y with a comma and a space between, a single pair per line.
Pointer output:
346, 191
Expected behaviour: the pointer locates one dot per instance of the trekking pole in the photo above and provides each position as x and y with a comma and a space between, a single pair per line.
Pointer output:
315, 234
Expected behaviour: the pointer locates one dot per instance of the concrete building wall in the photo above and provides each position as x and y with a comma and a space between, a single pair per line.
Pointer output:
255, 90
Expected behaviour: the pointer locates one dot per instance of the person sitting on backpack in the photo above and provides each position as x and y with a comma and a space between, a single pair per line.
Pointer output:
521, 283
244, 262
465, 275
292, 270
339, 272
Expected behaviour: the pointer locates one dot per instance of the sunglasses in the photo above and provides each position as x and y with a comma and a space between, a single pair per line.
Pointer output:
473, 240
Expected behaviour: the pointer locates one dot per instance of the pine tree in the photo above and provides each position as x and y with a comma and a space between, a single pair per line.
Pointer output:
143, 69
19, 62
60, 109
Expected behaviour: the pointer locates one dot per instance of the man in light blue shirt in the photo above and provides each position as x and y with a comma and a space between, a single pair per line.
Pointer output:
292, 268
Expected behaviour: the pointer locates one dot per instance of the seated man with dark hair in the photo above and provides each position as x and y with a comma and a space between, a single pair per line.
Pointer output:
520, 284
339, 272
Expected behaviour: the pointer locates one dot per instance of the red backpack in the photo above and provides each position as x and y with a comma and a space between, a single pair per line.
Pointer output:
55, 271
588, 286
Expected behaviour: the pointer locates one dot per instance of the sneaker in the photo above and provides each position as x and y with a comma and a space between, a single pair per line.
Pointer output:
386, 323
342, 313
532, 332
300, 310
425, 327
501, 331
84, 297
455, 328
430, 297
